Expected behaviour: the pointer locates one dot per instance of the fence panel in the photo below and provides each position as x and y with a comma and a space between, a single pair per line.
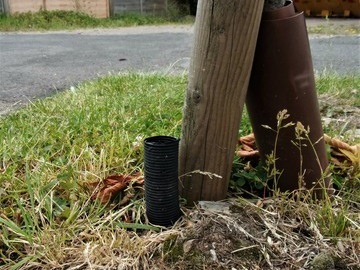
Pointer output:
19, 6
125, 6
67, 5
154, 7
97, 8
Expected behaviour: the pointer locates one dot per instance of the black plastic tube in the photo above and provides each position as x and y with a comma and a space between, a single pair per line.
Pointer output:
161, 180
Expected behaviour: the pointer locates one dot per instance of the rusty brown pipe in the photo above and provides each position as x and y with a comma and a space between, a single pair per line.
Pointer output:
283, 78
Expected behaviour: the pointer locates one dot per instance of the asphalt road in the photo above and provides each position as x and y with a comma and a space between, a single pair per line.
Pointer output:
35, 65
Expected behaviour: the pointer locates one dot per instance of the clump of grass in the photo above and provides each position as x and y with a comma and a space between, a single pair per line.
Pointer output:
347, 87
67, 20
339, 100
318, 213
331, 215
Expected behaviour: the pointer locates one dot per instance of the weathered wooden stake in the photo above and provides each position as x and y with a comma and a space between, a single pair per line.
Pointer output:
225, 39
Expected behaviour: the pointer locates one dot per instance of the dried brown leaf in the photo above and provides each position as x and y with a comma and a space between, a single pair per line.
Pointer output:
113, 185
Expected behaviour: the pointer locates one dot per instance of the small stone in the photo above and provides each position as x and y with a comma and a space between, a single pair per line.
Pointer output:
222, 207
327, 121
188, 245
340, 246
213, 255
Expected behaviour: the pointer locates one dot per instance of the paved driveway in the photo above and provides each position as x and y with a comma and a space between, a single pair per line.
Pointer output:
35, 65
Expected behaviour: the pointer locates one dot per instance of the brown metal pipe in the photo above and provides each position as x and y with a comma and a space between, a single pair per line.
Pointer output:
283, 78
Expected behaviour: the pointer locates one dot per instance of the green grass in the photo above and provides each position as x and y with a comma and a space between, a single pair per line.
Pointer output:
330, 26
339, 104
67, 20
345, 87
52, 147
56, 144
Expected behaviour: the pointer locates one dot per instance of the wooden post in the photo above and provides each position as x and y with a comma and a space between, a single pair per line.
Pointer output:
225, 39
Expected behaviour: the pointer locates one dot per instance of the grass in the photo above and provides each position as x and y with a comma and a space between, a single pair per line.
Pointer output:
79, 136
53, 147
344, 87
330, 26
67, 20
339, 104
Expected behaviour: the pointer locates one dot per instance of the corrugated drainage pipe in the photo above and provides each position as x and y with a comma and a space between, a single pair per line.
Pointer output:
283, 78
161, 180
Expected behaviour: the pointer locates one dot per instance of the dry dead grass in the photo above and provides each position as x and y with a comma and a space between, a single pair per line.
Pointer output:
275, 233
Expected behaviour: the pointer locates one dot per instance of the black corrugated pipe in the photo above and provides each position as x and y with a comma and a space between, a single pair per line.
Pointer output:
161, 154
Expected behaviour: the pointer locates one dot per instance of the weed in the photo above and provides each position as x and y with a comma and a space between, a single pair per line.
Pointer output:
330, 215
271, 168
249, 177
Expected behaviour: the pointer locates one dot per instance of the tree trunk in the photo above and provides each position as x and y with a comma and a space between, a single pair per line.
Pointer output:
225, 39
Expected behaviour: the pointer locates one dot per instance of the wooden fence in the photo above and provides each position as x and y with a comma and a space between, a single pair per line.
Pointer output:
97, 8
154, 7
